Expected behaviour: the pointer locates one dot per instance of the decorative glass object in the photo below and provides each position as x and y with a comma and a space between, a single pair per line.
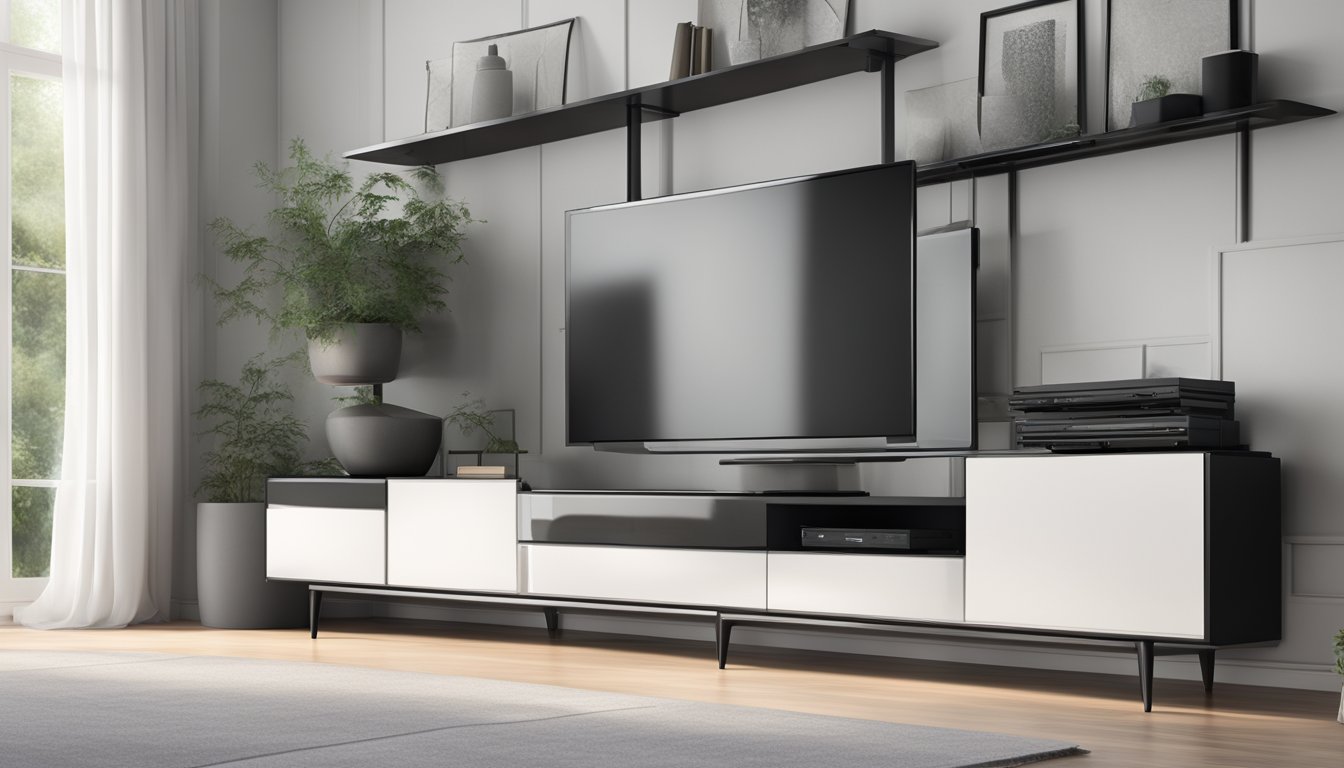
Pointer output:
538, 59
489, 444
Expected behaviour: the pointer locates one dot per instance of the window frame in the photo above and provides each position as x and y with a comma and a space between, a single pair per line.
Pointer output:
27, 62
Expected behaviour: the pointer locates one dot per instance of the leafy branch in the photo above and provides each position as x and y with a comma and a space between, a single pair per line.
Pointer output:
368, 253
257, 435
1154, 87
1339, 652
472, 415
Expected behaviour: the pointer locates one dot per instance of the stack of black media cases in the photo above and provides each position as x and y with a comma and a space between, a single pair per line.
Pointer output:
1134, 414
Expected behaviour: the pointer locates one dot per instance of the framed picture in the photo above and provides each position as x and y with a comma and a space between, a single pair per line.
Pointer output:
1161, 39
940, 122
538, 58
1031, 73
746, 30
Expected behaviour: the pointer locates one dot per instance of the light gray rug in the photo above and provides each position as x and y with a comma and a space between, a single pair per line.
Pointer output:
158, 711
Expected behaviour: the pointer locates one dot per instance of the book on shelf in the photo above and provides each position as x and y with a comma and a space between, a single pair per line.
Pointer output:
700, 50
473, 470
690, 50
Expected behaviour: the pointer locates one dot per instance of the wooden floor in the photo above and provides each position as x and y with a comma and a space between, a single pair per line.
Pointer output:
1235, 726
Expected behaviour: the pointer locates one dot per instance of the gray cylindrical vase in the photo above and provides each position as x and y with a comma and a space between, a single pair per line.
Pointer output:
384, 440
361, 353
492, 91
231, 587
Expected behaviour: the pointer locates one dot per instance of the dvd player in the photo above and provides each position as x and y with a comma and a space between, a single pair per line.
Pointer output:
879, 538
1190, 396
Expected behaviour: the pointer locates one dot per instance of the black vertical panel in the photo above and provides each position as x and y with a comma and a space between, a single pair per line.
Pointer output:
1243, 549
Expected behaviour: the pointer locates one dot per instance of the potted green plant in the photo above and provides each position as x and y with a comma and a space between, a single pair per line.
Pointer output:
356, 264
256, 436
1156, 103
1339, 669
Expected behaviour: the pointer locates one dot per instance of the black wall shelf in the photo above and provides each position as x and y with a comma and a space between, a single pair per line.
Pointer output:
873, 51
866, 52
1096, 144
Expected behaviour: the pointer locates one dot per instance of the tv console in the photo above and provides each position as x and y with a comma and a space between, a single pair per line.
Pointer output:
1173, 552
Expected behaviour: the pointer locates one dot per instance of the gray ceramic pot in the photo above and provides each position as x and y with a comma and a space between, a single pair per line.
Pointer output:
231, 586
361, 353
384, 440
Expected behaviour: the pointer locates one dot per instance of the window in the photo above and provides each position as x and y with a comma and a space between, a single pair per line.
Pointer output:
32, 330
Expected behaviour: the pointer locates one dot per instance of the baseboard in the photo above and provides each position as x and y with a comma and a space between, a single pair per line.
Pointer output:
184, 610
7, 611
1095, 657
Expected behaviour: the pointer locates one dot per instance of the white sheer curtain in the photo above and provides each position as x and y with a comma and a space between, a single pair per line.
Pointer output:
131, 242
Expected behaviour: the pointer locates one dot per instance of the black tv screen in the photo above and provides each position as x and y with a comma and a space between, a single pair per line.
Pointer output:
776, 315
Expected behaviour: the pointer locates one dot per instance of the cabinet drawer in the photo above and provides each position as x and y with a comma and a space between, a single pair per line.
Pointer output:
880, 586
1109, 544
646, 575
453, 534
330, 544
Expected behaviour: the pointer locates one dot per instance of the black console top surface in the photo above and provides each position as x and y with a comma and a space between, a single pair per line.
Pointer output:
747, 494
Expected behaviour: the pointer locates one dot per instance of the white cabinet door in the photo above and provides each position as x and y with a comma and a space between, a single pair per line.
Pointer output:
880, 586
647, 574
1092, 543
453, 534
328, 544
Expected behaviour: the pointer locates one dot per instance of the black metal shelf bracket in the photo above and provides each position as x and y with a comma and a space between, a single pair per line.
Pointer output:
886, 63
634, 131
634, 134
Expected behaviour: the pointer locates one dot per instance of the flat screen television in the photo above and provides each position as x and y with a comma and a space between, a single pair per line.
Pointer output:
777, 316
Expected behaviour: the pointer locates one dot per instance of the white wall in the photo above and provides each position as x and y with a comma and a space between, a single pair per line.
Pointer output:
1112, 261
239, 112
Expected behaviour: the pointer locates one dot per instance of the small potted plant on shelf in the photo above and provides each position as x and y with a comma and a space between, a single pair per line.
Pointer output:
256, 436
496, 427
1157, 104
1339, 668
353, 274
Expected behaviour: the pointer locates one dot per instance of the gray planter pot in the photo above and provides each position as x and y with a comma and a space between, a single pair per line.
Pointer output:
384, 440
231, 584
361, 353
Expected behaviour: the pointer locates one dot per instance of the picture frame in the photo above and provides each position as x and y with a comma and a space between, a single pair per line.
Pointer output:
1147, 38
1032, 77
537, 56
940, 122
747, 30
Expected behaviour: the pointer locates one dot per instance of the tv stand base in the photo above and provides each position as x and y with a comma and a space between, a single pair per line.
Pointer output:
1147, 649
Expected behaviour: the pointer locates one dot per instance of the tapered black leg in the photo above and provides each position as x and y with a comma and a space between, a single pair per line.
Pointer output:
314, 611
552, 620
1206, 668
1145, 649
722, 631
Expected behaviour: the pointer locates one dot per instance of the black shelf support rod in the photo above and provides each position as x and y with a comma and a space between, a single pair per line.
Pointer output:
887, 64
634, 121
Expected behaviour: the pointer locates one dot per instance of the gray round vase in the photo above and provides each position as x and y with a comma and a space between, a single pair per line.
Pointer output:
384, 440
231, 586
361, 353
